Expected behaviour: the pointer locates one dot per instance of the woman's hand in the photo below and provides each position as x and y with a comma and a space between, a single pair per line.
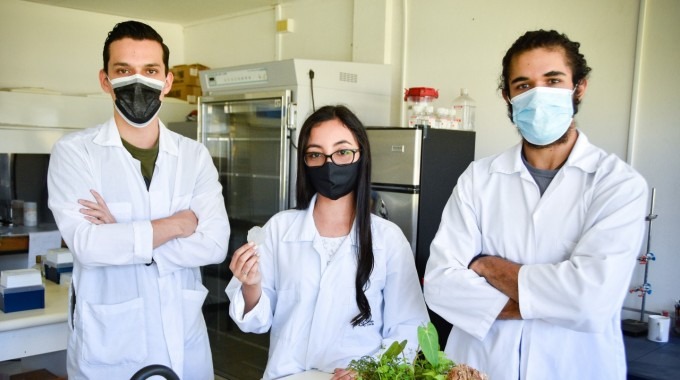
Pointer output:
343, 374
245, 264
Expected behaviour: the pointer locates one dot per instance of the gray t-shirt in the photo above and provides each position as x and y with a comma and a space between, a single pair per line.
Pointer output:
542, 177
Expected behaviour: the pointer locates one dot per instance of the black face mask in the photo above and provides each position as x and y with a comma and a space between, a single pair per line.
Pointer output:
137, 99
333, 181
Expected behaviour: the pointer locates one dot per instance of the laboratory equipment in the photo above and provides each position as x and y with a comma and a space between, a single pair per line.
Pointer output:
414, 172
465, 108
640, 327
420, 108
413, 175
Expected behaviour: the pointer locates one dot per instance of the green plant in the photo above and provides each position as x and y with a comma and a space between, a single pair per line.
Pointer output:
429, 364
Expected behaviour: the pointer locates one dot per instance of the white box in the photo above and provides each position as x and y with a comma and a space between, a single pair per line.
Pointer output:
59, 256
17, 278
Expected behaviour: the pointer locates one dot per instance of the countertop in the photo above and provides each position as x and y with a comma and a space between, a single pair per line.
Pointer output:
309, 375
24, 231
649, 360
15, 239
38, 331
55, 311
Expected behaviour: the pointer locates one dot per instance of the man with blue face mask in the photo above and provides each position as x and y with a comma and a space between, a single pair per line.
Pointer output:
536, 247
141, 209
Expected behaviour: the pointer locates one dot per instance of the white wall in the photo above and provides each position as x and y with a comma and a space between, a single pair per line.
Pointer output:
448, 44
61, 49
656, 139
458, 43
252, 37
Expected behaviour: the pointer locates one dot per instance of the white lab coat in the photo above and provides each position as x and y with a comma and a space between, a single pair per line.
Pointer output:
309, 311
577, 243
129, 314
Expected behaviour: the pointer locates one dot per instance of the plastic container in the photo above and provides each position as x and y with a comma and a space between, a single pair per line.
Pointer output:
420, 108
30, 214
465, 111
17, 212
444, 118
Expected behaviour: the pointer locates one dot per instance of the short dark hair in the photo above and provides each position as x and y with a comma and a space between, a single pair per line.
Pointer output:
305, 192
137, 31
549, 39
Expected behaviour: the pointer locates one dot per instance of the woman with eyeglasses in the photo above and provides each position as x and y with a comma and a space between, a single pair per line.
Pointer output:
332, 282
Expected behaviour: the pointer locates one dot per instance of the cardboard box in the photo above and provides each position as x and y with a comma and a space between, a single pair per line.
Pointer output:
190, 93
187, 74
20, 299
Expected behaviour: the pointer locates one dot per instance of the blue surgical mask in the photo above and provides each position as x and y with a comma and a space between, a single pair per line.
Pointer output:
543, 114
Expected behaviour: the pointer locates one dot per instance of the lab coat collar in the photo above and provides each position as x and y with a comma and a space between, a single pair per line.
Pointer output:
109, 136
306, 231
583, 156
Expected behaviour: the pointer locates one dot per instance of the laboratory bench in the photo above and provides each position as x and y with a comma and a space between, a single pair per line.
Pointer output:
14, 239
649, 360
37, 331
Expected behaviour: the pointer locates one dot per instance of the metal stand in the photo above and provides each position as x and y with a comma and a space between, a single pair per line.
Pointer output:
639, 327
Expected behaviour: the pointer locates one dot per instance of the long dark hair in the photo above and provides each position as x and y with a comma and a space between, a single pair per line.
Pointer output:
305, 192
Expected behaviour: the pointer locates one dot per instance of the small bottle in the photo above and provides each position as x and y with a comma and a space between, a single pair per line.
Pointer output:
416, 114
30, 214
18, 212
428, 118
465, 111
443, 118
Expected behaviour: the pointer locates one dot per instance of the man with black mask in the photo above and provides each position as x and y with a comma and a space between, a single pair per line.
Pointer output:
141, 209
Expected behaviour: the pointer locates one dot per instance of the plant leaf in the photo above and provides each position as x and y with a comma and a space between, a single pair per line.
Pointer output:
429, 343
395, 349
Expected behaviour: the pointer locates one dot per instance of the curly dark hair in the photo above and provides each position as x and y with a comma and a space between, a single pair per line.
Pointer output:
305, 192
549, 39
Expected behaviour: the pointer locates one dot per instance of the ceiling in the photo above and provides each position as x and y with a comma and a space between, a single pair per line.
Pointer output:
182, 12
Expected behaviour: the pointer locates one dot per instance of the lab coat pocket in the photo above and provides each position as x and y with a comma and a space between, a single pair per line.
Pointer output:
368, 331
179, 203
122, 211
114, 334
194, 325
287, 303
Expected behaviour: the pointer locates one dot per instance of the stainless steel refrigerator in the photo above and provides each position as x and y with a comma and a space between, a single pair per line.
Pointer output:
414, 172
249, 117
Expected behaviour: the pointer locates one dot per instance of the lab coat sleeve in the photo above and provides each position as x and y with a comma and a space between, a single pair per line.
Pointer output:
405, 308
70, 177
453, 291
208, 245
585, 292
259, 319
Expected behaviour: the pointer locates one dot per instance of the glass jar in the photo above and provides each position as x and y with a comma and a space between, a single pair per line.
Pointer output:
419, 103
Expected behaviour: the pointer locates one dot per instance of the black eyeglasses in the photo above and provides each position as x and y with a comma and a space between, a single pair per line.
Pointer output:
341, 157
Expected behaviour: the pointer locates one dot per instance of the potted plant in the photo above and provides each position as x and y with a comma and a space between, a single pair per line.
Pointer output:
429, 364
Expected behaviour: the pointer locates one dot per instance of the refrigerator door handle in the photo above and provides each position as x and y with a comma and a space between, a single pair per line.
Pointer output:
291, 117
